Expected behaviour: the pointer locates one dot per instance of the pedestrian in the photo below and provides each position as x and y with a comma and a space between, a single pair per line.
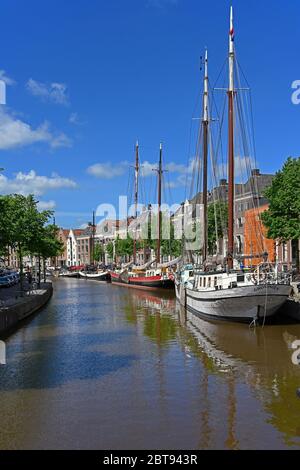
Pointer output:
29, 278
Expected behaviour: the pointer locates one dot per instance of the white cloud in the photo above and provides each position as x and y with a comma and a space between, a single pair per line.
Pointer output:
107, 170
181, 181
147, 168
184, 172
16, 133
74, 119
61, 140
54, 92
6, 79
31, 183
46, 205
172, 167
242, 167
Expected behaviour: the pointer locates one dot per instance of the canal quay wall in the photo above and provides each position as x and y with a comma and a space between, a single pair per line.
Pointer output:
14, 310
291, 307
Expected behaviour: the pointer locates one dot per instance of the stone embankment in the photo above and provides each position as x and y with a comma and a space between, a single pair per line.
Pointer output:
292, 306
16, 308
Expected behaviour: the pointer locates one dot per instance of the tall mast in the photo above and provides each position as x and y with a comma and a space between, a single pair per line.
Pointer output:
231, 145
136, 189
93, 239
160, 172
205, 124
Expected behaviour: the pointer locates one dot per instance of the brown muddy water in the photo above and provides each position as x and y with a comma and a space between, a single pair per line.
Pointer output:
106, 367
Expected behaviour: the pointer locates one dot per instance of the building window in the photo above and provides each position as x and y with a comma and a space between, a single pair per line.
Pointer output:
239, 244
284, 252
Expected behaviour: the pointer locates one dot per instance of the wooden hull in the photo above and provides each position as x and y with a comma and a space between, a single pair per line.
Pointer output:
241, 304
149, 282
100, 277
75, 275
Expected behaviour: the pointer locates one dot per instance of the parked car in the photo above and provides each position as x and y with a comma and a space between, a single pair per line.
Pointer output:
5, 281
9, 278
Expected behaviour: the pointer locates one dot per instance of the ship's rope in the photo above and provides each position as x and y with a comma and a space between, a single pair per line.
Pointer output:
266, 303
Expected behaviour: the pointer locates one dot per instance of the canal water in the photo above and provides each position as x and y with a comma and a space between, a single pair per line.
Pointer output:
106, 367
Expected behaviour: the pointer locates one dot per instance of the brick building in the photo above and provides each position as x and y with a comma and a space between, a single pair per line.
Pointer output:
256, 241
61, 260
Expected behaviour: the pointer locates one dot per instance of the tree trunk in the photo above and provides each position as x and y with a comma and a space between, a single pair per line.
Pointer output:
21, 268
44, 265
39, 273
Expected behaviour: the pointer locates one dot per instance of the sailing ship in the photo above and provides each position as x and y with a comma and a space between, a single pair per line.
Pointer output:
153, 275
72, 271
231, 294
92, 272
101, 275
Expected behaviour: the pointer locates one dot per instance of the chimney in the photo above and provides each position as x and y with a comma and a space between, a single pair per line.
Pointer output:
255, 172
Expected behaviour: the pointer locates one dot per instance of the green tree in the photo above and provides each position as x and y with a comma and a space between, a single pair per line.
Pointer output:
110, 250
171, 247
124, 247
146, 228
23, 228
46, 245
21, 224
217, 223
282, 219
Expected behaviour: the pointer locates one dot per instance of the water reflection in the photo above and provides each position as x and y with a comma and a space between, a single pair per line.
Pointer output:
104, 367
153, 312
260, 357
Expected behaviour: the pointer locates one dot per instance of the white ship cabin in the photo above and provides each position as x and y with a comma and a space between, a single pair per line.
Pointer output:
149, 273
219, 280
264, 273
187, 274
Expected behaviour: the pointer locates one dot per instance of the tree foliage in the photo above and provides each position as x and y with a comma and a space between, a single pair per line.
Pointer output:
282, 219
47, 245
217, 223
110, 250
24, 228
124, 247
171, 247
98, 252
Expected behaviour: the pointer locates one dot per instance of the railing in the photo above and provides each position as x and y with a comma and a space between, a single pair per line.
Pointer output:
30, 289
272, 273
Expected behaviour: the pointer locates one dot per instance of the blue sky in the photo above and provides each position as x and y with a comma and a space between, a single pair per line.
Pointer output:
85, 79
